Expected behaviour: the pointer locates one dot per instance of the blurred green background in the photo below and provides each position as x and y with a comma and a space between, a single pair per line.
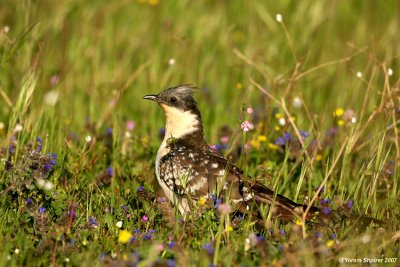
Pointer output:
99, 51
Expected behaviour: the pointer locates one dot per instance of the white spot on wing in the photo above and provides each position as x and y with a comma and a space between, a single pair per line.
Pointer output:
214, 165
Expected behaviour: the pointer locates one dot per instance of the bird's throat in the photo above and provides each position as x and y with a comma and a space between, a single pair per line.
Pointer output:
180, 124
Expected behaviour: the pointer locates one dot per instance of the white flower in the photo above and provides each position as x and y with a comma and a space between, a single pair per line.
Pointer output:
18, 128
113, 255
66, 260
48, 185
88, 138
390, 72
6, 29
297, 102
171, 61
250, 110
127, 134
16, 251
40, 182
359, 74
51, 97
119, 224
2, 125
282, 121
279, 18
353, 120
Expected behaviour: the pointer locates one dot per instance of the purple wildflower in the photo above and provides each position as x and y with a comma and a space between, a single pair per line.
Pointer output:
47, 167
140, 189
28, 201
42, 210
208, 247
161, 199
282, 231
72, 214
318, 234
147, 236
218, 202
11, 149
172, 244
93, 221
171, 263
109, 131
110, 171
333, 236
304, 134
152, 231
325, 201
326, 210
136, 231
349, 204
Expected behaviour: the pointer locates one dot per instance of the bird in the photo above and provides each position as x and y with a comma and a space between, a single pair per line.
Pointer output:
188, 169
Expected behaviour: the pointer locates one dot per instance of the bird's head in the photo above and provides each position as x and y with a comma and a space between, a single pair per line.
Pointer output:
180, 108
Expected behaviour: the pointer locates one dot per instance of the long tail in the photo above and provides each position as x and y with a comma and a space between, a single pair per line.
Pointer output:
287, 210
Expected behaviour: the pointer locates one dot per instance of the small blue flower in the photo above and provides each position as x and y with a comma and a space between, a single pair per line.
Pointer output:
141, 188
208, 247
47, 167
93, 221
282, 231
28, 201
349, 204
152, 231
11, 150
171, 244
218, 202
42, 210
326, 210
147, 236
136, 231
333, 236
318, 234
325, 201
72, 214
304, 134
171, 263
110, 171
109, 131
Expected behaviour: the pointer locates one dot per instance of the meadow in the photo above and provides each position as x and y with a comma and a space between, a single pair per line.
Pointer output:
316, 81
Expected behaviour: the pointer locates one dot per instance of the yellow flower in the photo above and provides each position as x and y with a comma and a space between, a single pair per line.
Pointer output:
330, 243
339, 112
299, 222
202, 201
239, 85
272, 146
124, 236
293, 118
154, 2
340, 122
262, 138
229, 228
277, 128
318, 157
278, 116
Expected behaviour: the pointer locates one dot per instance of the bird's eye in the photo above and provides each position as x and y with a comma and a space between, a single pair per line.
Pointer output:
173, 99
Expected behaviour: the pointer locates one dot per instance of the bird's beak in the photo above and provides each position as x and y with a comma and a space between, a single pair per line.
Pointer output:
151, 97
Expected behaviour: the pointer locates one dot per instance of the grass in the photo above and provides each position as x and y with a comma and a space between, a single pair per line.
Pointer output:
72, 75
